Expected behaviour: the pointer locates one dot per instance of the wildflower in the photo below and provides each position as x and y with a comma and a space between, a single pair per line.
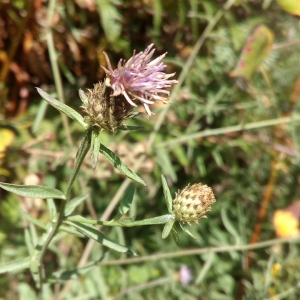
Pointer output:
139, 78
192, 203
185, 275
105, 110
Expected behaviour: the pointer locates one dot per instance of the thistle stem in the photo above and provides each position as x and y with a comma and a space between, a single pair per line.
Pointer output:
82, 152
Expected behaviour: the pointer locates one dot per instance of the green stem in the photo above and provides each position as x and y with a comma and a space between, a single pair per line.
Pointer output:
82, 152
124, 222
54, 66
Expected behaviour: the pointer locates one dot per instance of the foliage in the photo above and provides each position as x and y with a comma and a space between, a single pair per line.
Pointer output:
237, 134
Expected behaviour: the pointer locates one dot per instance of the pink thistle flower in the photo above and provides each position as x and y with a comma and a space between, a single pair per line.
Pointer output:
185, 275
139, 78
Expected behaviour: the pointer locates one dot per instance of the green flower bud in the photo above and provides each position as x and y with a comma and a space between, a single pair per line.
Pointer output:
105, 110
192, 203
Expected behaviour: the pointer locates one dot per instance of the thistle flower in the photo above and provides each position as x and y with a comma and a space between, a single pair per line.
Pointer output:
185, 275
105, 110
139, 78
192, 203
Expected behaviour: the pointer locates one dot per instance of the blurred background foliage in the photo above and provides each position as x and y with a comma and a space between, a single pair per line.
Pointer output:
232, 123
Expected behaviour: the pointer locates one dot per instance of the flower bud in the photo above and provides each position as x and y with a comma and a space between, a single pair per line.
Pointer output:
105, 110
192, 203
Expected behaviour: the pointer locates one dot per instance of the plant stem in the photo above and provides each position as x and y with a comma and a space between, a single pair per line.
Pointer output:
82, 151
146, 222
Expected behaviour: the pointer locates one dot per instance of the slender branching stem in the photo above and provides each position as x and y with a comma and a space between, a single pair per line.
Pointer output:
82, 152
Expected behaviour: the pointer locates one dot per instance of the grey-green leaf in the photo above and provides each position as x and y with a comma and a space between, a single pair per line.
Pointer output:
167, 193
126, 202
67, 110
167, 229
151, 221
15, 265
73, 204
95, 147
91, 232
33, 191
187, 232
110, 19
119, 165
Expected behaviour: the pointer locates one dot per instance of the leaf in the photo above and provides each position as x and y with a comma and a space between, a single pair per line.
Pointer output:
74, 203
167, 229
257, 48
163, 158
119, 165
95, 147
33, 220
29, 242
151, 221
84, 98
130, 128
290, 6
33, 191
16, 265
52, 208
167, 193
67, 110
175, 236
99, 237
39, 116
110, 19
74, 273
187, 232
126, 202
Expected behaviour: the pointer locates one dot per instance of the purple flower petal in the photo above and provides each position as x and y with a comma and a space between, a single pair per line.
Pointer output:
140, 78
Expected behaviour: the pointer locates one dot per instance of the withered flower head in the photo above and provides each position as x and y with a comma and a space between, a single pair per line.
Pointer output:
140, 78
192, 203
105, 110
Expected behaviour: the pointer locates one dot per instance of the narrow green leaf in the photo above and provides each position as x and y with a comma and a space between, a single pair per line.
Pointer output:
84, 148
151, 221
167, 229
52, 208
126, 202
16, 265
28, 242
187, 232
99, 237
167, 193
230, 227
255, 51
74, 203
39, 116
110, 19
130, 128
33, 191
71, 230
163, 158
67, 110
119, 165
175, 236
81, 219
33, 220
95, 147
74, 273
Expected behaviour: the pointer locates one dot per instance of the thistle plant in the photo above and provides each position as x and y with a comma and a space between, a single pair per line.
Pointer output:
105, 108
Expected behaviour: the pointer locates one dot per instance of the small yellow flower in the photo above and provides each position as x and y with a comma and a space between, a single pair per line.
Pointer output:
285, 224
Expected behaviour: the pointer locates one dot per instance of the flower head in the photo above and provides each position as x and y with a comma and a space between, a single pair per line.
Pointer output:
140, 78
192, 203
185, 275
104, 110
